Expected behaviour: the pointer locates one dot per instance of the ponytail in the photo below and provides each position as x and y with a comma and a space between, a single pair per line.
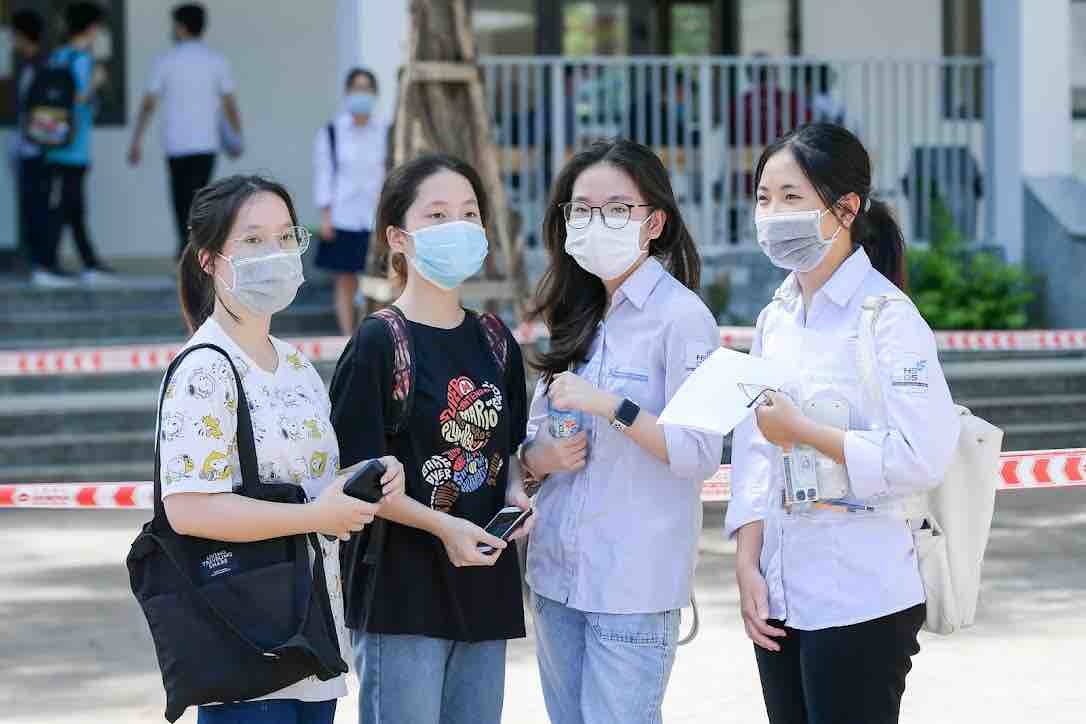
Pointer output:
195, 288
877, 231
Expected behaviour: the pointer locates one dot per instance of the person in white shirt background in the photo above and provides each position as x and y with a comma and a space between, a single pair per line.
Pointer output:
831, 593
196, 88
349, 169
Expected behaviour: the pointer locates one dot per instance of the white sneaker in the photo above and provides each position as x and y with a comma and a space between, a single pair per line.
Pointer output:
96, 277
50, 280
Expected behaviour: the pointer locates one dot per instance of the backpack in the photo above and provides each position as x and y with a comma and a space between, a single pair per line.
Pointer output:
50, 120
950, 524
369, 544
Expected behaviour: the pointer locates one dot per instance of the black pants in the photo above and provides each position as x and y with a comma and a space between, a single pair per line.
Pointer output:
845, 675
68, 207
34, 213
188, 174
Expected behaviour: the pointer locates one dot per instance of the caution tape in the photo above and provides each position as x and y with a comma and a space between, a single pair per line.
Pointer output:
155, 357
1018, 471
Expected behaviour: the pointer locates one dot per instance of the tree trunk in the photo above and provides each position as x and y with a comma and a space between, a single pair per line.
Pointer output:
442, 108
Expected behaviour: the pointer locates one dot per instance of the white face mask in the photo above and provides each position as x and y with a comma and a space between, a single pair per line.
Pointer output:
604, 252
266, 284
793, 239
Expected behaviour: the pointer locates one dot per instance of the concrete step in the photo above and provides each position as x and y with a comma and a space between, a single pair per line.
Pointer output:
1034, 377
1044, 436
122, 382
76, 413
79, 473
83, 448
127, 292
32, 330
1011, 410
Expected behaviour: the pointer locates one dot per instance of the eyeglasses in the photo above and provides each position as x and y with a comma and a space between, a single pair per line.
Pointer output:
756, 394
614, 214
294, 238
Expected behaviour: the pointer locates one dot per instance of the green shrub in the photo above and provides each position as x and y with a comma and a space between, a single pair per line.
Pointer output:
955, 288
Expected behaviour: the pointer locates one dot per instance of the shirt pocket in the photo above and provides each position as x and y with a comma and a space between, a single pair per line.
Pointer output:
627, 378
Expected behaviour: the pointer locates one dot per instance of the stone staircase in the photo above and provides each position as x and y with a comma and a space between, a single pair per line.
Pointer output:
101, 427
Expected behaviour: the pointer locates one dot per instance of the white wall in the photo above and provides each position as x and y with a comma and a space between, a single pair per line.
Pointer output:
285, 60
872, 28
1046, 96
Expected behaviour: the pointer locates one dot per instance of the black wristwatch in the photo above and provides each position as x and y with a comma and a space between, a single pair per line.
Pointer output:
625, 415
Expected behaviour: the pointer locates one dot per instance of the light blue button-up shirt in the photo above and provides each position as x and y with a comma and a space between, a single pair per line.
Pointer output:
621, 534
831, 568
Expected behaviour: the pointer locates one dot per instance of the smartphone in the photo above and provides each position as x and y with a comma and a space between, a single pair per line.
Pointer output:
504, 524
365, 485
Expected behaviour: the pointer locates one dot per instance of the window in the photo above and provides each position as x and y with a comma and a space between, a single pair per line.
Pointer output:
108, 54
1078, 59
963, 88
595, 28
504, 27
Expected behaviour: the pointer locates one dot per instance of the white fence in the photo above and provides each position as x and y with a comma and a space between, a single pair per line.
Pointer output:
709, 119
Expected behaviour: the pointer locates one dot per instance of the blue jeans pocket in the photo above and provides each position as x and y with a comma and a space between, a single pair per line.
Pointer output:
637, 629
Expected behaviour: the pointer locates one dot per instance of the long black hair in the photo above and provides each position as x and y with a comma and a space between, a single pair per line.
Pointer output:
400, 190
211, 216
837, 164
571, 301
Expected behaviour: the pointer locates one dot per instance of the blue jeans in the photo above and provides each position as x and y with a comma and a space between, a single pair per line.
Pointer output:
601, 668
423, 680
271, 711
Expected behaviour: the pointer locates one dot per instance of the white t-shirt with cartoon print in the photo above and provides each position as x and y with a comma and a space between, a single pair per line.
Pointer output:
295, 443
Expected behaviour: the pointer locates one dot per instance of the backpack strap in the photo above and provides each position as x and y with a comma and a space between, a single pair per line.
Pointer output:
403, 367
331, 130
915, 507
497, 341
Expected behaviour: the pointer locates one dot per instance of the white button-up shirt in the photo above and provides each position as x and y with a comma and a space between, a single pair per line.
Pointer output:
352, 185
621, 534
830, 568
190, 81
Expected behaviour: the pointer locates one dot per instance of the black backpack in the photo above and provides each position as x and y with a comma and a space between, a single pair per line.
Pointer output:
49, 120
233, 621
360, 557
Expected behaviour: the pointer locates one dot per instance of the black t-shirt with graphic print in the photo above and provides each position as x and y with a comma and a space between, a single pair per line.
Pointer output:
466, 420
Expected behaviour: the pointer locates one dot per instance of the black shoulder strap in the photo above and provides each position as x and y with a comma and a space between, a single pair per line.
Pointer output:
332, 146
403, 367
250, 476
497, 341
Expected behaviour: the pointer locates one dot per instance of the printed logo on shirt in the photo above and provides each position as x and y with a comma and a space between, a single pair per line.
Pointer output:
468, 424
219, 563
695, 355
216, 467
910, 374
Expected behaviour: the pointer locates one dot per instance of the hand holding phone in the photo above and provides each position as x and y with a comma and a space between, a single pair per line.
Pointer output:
366, 483
504, 524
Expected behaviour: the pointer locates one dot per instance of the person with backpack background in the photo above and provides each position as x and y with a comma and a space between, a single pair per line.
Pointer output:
67, 164
443, 390
349, 166
831, 590
195, 86
27, 158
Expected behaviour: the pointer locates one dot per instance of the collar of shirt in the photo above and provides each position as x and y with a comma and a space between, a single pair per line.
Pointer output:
640, 284
840, 287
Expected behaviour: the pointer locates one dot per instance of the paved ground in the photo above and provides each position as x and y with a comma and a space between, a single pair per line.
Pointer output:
73, 647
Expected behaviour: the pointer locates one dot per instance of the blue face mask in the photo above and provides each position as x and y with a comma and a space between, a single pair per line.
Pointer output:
361, 103
448, 254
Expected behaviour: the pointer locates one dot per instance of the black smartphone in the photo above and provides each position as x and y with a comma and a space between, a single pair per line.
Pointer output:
366, 483
504, 524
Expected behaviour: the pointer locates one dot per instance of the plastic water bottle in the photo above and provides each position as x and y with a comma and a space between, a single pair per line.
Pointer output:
563, 423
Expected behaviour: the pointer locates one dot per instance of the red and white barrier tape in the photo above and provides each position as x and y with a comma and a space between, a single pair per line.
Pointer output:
153, 357
1018, 471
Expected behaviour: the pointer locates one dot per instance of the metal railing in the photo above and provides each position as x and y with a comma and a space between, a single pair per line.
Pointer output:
923, 121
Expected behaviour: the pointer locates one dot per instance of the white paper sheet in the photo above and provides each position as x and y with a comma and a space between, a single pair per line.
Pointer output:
713, 398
